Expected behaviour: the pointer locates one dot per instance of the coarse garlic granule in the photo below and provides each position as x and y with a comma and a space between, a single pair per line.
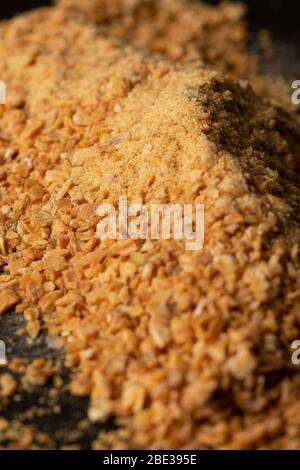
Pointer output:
185, 350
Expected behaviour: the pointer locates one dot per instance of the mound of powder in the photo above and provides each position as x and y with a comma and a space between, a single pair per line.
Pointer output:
181, 30
184, 349
185, 31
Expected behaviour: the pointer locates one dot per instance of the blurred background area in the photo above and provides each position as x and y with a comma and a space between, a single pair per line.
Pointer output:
282, 17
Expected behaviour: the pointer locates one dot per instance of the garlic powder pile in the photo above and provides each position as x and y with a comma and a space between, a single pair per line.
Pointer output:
182, 349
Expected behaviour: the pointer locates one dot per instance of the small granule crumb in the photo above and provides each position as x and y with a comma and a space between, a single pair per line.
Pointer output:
8, 385
8, 298
38, 373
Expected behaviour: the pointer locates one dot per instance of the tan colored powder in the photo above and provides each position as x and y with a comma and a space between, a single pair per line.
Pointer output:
185, 31
186, 350
181, 30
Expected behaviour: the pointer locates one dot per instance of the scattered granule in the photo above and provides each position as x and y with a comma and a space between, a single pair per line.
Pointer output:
38, 372
8, 385
15, 436
8, 298
183, 349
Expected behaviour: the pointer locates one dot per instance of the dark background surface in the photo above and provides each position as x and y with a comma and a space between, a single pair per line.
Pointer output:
280, 16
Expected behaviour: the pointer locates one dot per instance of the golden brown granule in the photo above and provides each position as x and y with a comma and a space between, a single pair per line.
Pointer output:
8, 386
184, 349
180, 30
15, 436
185, 31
